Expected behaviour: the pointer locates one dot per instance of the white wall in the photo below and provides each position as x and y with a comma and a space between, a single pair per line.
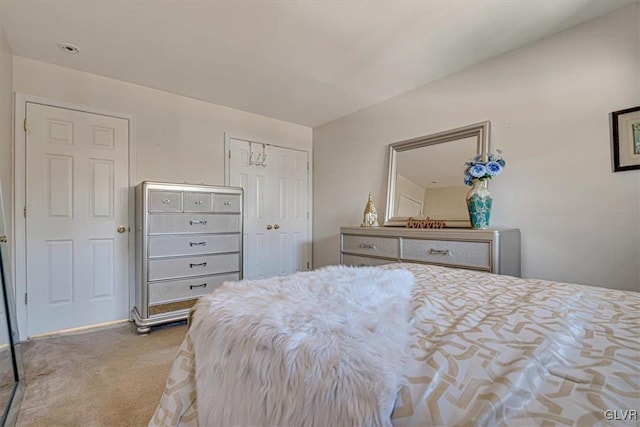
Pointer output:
178, 139
6, 124
549, 105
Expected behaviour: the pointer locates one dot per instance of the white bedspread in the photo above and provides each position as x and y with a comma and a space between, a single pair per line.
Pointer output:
489, 350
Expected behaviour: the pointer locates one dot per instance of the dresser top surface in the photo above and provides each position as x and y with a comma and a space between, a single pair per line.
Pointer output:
152, 185
451, 233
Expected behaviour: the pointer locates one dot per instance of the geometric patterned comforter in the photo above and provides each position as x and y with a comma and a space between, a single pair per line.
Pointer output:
495, 350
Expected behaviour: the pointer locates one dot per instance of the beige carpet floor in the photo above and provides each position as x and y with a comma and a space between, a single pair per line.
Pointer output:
106, 377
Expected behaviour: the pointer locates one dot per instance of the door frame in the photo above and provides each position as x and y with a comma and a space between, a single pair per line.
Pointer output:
19, 196
227, 180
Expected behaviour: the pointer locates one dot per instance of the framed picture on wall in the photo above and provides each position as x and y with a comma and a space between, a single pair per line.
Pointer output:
626, 139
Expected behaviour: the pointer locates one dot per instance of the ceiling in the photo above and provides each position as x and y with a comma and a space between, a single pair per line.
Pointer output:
306, 62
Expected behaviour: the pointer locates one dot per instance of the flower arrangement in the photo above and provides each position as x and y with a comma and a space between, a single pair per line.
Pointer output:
481, 169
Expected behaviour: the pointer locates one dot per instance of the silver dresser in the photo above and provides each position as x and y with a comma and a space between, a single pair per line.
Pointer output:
494, 250
188, 242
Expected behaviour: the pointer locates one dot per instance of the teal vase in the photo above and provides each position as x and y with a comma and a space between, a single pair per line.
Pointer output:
479, 204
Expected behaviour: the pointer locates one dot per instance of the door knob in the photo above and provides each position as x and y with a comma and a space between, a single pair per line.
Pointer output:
276, 226
121, 229
269, 227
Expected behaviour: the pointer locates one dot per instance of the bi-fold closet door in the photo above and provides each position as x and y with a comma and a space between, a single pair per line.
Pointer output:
276, 206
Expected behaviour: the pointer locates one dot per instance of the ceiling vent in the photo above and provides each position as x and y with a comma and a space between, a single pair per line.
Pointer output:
68, 48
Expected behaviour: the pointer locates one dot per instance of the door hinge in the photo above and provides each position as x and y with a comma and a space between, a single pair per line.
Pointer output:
25, 298
308, 265
25, 211
307, 165
229, 153
307, 215
24, 124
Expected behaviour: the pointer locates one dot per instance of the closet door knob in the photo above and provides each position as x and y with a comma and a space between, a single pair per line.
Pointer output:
276, 226
269, 227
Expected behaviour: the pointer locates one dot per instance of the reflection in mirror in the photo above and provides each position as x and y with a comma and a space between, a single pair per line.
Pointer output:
7, 379
426, 183
426, 175
11, 387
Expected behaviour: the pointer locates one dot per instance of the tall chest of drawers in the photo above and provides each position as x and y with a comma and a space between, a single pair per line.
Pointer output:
188, 242
494, 250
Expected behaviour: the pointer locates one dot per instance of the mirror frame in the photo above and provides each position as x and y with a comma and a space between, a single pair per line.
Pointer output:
480, 130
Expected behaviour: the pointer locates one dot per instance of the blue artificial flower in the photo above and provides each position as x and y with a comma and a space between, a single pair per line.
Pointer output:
478, 171
494, 168
483, 167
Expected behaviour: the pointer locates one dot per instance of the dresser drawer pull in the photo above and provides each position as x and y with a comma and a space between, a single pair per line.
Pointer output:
202, 264
203, 222
227, 203
197, 243
198, 202
204, 285
368, 246
444, 252
166, 201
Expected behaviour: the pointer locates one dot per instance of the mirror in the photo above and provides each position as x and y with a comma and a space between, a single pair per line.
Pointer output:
7, 379
426, 175
11, 387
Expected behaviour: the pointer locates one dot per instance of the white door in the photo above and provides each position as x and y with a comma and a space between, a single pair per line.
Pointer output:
77, 198
289, 209
276, 200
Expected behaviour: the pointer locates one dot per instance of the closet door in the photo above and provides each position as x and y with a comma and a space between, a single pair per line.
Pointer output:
289, 213
276, 237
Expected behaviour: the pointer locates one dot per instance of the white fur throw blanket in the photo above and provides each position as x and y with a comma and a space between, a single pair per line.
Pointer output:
321, 348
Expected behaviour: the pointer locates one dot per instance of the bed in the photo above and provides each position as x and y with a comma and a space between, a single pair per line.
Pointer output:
488, 349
